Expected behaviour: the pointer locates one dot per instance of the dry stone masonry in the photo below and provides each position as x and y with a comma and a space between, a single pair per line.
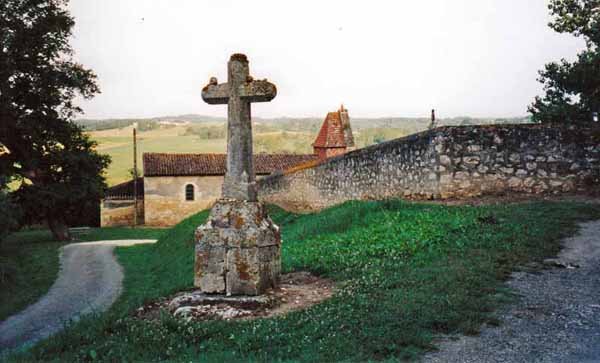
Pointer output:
448, 162
238, 249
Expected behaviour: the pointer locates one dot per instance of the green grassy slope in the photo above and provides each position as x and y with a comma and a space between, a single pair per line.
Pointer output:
405, 273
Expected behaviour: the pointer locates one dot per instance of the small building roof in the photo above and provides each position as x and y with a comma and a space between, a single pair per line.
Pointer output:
124, 190
332, 132
160, 164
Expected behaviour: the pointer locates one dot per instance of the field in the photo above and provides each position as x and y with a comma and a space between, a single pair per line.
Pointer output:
118, 144
197, 139
405, 273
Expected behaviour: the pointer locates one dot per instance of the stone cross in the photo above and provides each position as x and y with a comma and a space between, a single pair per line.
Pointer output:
238, 249
239, 91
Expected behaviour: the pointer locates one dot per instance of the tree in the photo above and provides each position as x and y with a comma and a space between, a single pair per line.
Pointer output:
572, 88
9, 213
40, 145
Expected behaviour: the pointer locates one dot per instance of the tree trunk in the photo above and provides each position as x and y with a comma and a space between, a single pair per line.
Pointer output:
59, 229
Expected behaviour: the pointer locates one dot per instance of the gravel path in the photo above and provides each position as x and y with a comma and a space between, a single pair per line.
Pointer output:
90, 280
557, 318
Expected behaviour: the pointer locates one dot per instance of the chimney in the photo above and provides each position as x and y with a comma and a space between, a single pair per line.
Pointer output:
348, 137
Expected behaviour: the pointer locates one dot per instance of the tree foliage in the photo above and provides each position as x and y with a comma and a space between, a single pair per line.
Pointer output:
572, 88
9, 213
41, 147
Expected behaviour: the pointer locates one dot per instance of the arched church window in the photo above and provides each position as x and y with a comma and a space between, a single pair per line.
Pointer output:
189, 192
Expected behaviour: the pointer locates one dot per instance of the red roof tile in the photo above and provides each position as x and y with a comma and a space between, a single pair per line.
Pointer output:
158, 164
332, 132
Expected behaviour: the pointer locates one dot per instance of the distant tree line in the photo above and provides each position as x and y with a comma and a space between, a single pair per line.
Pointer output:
109, 124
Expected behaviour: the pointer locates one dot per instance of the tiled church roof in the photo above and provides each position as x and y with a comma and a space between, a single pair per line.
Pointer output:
332, 132
158, 164
125, 190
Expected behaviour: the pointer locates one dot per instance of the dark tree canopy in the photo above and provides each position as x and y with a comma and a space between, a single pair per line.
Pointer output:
572, 88
42, 148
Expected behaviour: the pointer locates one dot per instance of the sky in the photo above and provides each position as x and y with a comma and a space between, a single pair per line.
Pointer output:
477, 58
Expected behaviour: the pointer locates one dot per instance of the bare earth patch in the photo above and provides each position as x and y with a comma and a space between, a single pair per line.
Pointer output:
296, 291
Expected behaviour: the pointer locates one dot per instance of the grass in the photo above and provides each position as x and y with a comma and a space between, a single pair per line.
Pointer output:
31, 262
405, 273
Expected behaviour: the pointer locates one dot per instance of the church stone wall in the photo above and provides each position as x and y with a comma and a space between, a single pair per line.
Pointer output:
448, 162
117, 213
164, 197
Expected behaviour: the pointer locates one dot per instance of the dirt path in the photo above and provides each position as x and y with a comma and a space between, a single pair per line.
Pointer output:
90, 279
557, 318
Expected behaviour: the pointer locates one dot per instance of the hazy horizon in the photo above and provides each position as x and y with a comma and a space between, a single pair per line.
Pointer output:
427, 117
386, 59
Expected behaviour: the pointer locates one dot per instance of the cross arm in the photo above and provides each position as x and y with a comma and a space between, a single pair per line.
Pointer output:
216, 94
257, 91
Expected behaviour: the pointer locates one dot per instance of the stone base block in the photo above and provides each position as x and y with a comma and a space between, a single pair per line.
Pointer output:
237, 250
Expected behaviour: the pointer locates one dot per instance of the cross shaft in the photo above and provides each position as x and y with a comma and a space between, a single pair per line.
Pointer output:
239, 91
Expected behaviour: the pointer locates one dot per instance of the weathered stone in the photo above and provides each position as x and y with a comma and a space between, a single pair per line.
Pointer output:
461, 175
514, 157
531, 166
514, 183
445, 160
209, 268
529, 182
196, 298
471, 160
465, 184
239, 91
444, 179
237, 250
540, 187
521, 173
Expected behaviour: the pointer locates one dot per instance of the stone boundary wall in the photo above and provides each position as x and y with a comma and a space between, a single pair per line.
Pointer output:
119, 212
448, 162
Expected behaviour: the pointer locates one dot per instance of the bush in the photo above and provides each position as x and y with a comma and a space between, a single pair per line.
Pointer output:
9, 215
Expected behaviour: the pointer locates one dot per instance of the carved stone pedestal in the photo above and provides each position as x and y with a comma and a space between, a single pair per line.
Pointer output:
237, 250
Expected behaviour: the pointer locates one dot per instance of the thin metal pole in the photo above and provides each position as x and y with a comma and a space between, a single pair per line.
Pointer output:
135, 177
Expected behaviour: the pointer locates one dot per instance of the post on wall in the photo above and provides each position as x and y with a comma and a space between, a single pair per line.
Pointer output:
135, 177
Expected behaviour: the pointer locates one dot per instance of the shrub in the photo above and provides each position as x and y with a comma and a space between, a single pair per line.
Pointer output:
9, 215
